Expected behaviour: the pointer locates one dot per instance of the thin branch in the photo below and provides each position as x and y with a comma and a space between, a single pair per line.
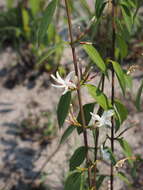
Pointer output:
96, 136
78, 91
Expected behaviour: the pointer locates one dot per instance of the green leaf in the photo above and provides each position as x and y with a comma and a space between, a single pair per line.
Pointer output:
122, 176
34, 6
130, 3
63, 108
99, 96
26, 21
85, 6
121, 112
99, 7
122, 46
95, 57
127, 17
46, 54
127, 150
100, 180
123, 31
46, 20
9, 3
138, 97
73, 182
77, 158
120, 75
67, 133
87, 108
128, 79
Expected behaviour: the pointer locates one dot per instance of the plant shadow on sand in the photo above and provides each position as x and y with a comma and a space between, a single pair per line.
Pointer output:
17, 161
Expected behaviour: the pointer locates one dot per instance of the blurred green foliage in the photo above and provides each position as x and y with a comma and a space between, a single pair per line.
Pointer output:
20, 28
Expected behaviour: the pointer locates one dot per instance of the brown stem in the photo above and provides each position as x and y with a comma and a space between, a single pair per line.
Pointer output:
79, 91
96, 137
113, 90
25, 4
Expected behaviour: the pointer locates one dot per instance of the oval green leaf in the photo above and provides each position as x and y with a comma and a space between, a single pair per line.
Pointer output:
127, 150
63, 108
73, 181
95, 57
67, 133
77, 158
121, 112
120, 75
99, 96
123, 48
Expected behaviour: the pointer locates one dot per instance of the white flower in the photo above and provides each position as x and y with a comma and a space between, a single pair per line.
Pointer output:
105, 153
66, 83
104, 120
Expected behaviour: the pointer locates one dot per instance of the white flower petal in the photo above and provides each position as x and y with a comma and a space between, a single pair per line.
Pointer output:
59, 78
71, 85
108, 113
58, 86
67, 84
105, 153
55, 79
69, 76
95, 117
108, 122
65, 91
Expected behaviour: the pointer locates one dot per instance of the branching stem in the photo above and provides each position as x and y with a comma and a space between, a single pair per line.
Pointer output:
78, 91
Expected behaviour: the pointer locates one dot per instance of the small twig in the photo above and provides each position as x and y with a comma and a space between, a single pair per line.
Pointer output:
123, 132
85, 32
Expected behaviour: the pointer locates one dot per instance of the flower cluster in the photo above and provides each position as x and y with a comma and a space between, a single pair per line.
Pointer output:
104, 120
66, 83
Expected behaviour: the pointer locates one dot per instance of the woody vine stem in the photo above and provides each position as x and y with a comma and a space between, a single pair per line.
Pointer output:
78, 91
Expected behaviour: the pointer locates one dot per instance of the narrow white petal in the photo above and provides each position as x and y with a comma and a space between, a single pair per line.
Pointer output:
59, 78
55, 79
108, 122
102, 121
58, 86
95, 116
65, 91
71, 85
105, 153
69, 76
